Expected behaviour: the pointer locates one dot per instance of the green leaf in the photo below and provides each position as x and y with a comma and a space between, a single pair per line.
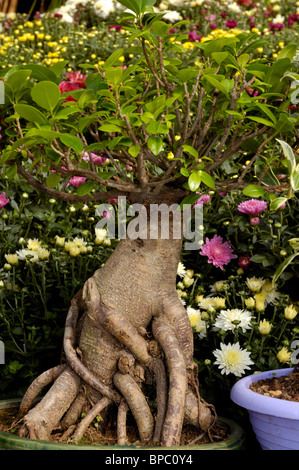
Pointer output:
187, 74
31, 114
17, 80
295, 179
216, 84
261, 120
113, 75
41, 72
243, 59
219, 57
134, 150
157, 127
155, 144
110, 128
283, 266
71, 141
85, 188
53, 180
46, 94
138, 6
191, 150
289, 154
113, 58
194, 181
160, 28
207, 179
276, 72
288, 51
58, 67
277, 202
253, 190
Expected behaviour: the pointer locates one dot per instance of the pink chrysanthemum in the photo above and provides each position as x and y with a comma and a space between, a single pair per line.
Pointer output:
252, 207
76, 181
3, 200
218, 252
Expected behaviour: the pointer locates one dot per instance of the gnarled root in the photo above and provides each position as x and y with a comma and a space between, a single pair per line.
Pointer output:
125, 357
37, 386
46, 415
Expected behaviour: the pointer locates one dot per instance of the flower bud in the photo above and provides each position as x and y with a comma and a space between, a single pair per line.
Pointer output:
290, 312
264, 327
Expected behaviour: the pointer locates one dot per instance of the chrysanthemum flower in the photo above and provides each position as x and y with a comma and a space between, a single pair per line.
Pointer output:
290, 312
218, 252
3, 200
27, 255
33, 244
12, 258
264, 327
232, 319
181, 271
196, 321
283, 355
231, 359
76, 181
255, 283
252, 207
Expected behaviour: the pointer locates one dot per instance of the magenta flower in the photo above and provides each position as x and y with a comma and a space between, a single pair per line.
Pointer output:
194, 36
218, 252
76, 181
244, 261
97, 160
3, 200
231, 23
252, 207
204, 199
254, 221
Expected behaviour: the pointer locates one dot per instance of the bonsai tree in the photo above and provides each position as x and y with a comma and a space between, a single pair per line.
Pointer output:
157, 133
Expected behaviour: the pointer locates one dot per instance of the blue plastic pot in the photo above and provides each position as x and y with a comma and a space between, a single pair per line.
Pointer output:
275, 422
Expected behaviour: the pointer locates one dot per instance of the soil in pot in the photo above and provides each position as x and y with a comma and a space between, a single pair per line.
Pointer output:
285, 387
96, 435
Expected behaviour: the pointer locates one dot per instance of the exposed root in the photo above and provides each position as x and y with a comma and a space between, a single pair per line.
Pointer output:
121, 423
74, 361
37, 386
137, 404
85, 422
46, 415
177, 383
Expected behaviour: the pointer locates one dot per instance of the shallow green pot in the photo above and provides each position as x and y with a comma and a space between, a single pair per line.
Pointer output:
235, 441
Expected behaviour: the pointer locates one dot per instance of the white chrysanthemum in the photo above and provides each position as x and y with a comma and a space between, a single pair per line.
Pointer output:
27, 255
255, 283
181, 271
232, 319
104, 8
231, 359
172, 16
196, 321
234, 7
270, 290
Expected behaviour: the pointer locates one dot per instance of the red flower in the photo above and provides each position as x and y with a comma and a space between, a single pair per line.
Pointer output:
231, 23
76, 80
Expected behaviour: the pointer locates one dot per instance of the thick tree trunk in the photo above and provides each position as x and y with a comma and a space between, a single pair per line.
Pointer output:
126, 327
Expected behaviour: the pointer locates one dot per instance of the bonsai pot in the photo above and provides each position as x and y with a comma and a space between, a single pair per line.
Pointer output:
275, 422
235, 441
